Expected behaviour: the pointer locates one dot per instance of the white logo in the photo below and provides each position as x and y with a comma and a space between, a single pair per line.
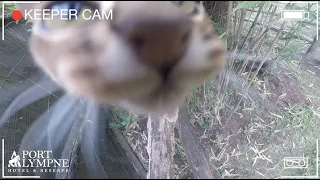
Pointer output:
42, 160
15, 160
36, 161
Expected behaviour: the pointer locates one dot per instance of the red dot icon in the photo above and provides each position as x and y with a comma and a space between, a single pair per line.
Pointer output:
16, 15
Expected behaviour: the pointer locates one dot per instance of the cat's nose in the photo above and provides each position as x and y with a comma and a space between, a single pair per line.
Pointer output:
159, 36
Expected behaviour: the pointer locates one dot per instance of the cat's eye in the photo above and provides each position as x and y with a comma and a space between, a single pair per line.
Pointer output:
189, 7
67, 13
195, 10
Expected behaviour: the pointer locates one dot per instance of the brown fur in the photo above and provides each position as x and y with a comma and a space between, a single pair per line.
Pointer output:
91, 60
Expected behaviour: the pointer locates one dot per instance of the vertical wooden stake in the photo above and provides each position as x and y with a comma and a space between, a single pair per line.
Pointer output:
161, 145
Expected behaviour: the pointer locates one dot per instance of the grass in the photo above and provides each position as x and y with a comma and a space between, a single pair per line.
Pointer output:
310, 83
8, 8
121, 118
258, 148
301, 124
290, 51
295, 126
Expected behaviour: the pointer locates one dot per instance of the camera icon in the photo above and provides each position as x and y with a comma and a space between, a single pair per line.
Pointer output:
295, 162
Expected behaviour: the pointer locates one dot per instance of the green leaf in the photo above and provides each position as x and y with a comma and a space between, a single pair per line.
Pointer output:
127, 119
263, 96
246, 4
115, 126
124, 123
276, 3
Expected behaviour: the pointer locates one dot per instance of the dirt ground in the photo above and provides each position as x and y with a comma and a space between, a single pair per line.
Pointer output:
254, 141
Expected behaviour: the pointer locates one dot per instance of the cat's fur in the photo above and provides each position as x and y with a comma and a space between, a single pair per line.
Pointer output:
93, 60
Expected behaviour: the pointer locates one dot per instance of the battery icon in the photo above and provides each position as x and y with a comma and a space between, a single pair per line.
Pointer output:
294, 15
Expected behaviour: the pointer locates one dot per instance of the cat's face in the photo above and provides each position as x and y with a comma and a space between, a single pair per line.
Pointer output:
146, 58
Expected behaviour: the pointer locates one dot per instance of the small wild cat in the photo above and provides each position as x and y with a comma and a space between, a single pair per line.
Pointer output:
146, 58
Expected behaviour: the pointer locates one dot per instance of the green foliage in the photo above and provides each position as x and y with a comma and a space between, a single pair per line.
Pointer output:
247, 4
121, 118
8, 8
312, 11
218, 29
179, 155
289, 51
204, 123
303, 115
276, 3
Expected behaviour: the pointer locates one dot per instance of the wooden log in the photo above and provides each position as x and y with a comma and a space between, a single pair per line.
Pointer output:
137, 165
161, 145
198, 159
71, 151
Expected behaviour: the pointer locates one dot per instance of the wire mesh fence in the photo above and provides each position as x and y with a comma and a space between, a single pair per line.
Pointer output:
28, 129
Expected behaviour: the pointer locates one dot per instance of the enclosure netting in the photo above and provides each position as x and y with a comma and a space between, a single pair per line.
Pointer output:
32, 124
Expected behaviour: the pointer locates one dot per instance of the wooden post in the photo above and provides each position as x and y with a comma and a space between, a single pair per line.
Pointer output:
161, 145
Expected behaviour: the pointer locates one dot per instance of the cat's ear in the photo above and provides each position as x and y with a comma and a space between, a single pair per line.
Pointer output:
28, 8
